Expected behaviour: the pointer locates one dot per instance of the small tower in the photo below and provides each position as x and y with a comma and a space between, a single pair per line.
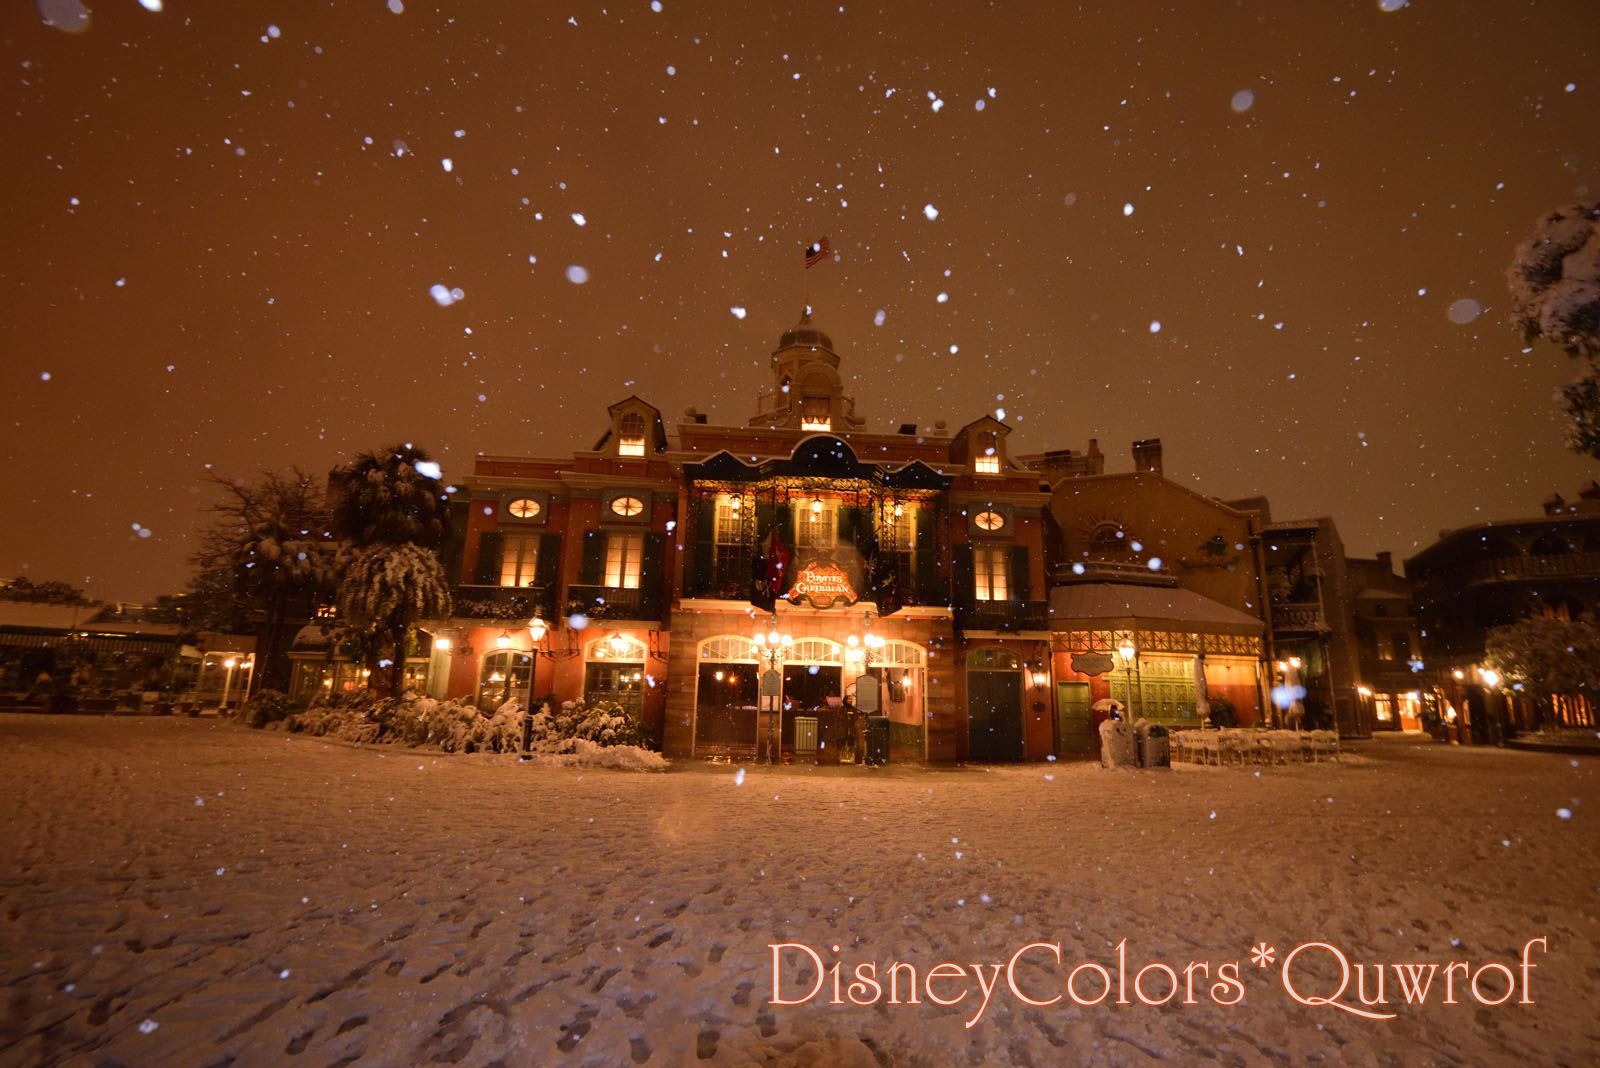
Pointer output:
807, 393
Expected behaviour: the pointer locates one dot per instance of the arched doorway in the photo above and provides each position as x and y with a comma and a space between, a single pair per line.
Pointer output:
994, 705
900, 667
727, 688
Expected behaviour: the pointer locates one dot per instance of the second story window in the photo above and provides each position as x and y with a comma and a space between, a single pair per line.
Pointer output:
624, 551
987, 460
815, 525
519, 559
989, 573
630, 437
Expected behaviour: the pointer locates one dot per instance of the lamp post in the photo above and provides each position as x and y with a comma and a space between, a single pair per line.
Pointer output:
771, 647
1130, 660
227, 681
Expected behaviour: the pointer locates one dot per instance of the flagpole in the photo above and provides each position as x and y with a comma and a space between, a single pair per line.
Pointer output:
805, 288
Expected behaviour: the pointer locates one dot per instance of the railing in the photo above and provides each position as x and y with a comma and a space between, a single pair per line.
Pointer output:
501, 602
1298, 617
613, 602
1003, 615
1517, 568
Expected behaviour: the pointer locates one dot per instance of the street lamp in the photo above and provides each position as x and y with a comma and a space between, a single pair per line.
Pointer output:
227, 681
1130, 663
537, 629
771, 647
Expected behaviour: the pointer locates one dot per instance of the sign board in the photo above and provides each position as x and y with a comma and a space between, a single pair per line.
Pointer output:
1092, 663
772, 683
824, 585
867, 694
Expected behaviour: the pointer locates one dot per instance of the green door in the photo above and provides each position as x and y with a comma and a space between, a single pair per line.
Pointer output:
1074, 734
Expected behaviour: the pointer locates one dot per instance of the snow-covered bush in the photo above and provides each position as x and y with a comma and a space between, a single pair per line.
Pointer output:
267, 706
602, 723
453, 726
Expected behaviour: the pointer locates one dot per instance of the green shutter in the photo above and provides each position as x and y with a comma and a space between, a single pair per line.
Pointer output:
849, 522
1018, 579
548, 571
593, 564
965, 592
489, 548
705, 543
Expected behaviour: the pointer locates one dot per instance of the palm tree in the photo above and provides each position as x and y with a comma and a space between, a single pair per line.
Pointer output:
391, 496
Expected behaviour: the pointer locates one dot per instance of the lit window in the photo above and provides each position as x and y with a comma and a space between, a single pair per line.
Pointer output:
815, 414
728, 526
987, 465
524, 508
623, 554
627, 507
989, 520
630, 436
814, 527
519, 558
989, 574
899, 535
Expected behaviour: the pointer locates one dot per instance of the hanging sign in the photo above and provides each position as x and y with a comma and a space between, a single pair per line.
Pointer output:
824, 585
772, 683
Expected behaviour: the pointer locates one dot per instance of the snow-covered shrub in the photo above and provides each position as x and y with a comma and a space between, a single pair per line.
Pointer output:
603, 723
452, 726
267, 706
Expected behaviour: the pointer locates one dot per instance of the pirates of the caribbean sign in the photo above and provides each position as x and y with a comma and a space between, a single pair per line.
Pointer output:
824, 585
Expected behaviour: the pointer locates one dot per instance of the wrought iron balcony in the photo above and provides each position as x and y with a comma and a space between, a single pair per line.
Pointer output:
1301, 617
502, 602
614, 602
1531, 566
1003, 615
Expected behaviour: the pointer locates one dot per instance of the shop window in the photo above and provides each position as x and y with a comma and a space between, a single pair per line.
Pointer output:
624, 553
630, 435
989, 573
621, 683
507, 675
519, 558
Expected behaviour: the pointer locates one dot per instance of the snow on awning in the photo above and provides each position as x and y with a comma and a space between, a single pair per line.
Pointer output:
1106, 604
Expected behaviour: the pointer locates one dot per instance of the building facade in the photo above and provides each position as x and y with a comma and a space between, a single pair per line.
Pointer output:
739, 585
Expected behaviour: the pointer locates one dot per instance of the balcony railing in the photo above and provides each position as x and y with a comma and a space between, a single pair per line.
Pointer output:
614, 602
501, 602
1003, 615
1298, 617
1521, 568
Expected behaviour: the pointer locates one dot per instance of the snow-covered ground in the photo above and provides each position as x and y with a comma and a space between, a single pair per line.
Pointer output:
188, 892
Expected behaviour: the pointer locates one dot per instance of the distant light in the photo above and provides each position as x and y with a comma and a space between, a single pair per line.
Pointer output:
1243, 100
577, 275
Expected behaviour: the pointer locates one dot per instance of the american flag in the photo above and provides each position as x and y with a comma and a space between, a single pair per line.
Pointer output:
816, 253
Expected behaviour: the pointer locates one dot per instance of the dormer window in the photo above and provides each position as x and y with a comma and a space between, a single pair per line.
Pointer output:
815, 414
630, 435
987, 460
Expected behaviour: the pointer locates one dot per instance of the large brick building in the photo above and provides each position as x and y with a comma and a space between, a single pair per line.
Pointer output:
992, 606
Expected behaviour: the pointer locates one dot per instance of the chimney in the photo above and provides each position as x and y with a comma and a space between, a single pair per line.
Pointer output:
1147, 455
1386, 560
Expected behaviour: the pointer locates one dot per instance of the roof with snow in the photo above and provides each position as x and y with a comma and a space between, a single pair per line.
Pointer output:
1107, 603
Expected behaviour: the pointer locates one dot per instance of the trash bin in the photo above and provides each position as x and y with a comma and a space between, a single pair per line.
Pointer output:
805, 739
1155, 748
877, 739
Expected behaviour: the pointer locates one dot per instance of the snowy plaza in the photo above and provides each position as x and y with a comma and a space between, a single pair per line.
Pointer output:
188, 892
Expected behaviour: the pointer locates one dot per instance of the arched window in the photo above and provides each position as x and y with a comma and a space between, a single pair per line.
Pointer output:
507, 675
614, 670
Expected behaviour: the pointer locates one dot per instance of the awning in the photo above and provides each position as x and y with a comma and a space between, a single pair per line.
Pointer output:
1114, 604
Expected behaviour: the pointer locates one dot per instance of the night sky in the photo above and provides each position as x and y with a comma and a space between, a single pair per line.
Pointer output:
223, 222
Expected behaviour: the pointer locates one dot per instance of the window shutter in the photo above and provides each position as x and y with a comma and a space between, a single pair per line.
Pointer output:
1018, 580
593, 564
650, 564
547, 572
705, 544
848, 523
489, 548
965, 593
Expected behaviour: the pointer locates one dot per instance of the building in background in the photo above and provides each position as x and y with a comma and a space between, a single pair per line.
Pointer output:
1388, 642
1491, 574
